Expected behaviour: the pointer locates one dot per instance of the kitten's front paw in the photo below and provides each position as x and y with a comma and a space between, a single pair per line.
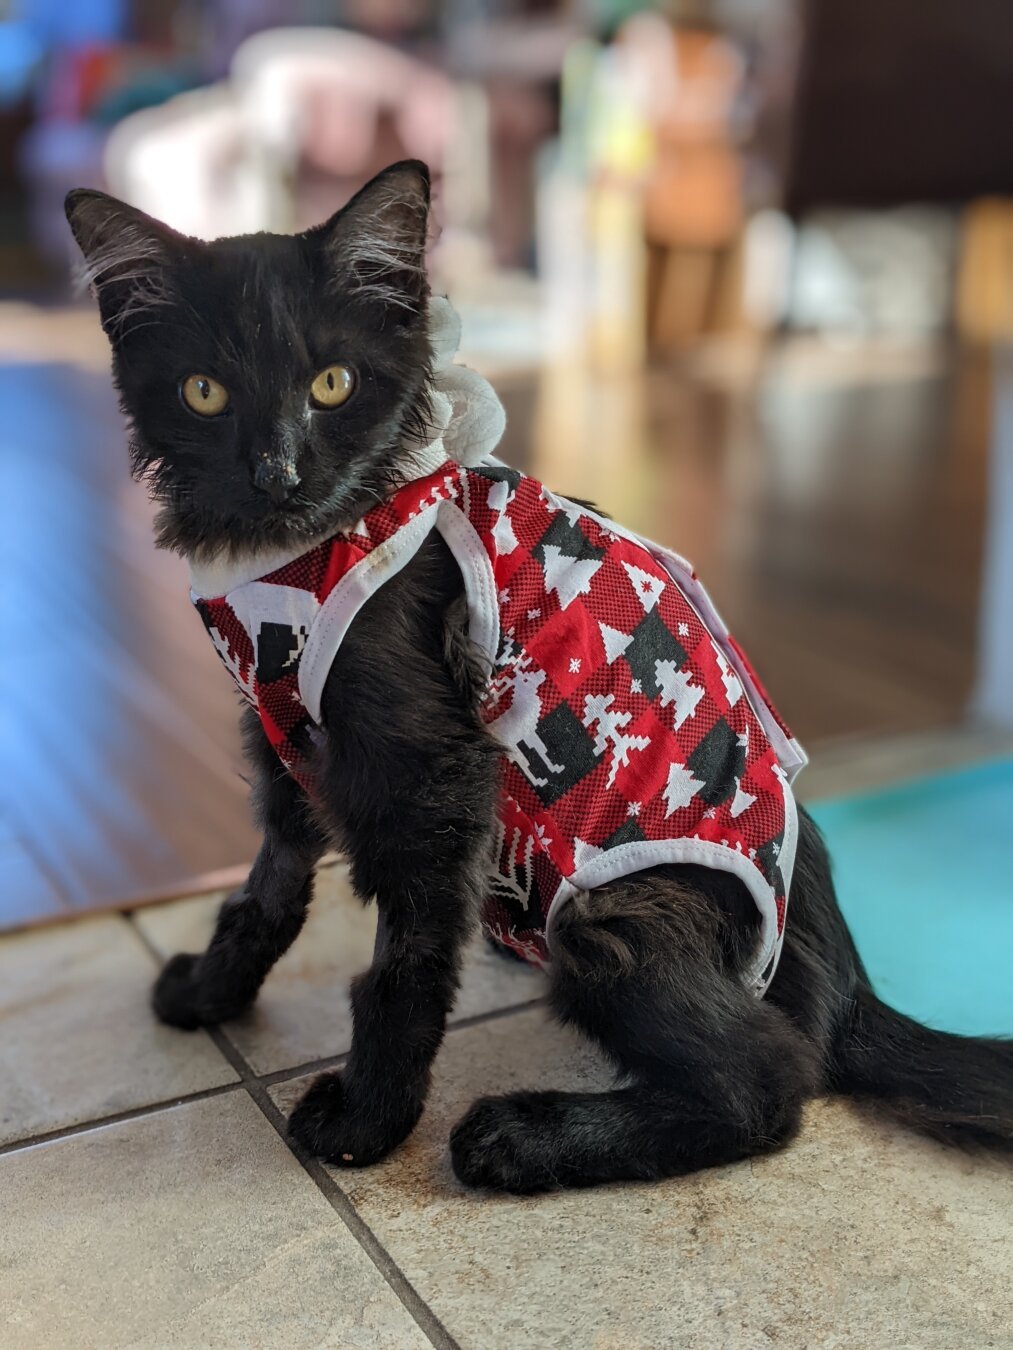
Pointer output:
174, 997
178, 999
328, 1127
495, 1145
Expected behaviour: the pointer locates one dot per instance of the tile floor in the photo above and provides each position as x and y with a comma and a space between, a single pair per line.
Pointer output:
149, 1199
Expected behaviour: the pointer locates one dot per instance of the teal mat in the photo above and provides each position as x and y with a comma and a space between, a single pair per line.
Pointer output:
924, 874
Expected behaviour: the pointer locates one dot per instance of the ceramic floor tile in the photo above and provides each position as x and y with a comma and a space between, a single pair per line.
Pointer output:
303, 1013
79, 1040
183, 1230
857, 1236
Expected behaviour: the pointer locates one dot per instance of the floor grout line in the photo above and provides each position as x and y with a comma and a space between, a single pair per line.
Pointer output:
274, 1076
256, 1086
412, 1300
247, 1075
256, 1090
414, 1304
116, 1118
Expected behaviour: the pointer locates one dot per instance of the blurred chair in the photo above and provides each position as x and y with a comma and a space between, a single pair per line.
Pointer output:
306, 117
693, 209
324, 110
187, 162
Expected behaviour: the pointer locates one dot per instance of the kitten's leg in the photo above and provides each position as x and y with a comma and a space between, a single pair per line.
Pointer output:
425, 862
258, 923
648, 969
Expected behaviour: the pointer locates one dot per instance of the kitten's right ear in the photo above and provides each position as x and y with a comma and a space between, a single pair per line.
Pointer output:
126, 256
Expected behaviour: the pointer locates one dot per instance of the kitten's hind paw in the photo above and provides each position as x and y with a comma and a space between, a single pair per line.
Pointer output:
178, 1000
496, 1146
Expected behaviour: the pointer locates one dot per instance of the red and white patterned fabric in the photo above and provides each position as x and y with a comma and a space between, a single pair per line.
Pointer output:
634, 732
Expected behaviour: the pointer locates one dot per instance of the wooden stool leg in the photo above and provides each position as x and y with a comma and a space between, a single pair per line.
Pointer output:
682, 301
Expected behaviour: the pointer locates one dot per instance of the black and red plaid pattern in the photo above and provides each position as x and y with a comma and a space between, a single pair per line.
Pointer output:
633, 733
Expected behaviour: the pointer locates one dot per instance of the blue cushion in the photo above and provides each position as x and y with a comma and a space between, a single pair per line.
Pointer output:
924, 874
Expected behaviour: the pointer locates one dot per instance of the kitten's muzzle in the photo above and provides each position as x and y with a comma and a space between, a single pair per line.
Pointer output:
277, 478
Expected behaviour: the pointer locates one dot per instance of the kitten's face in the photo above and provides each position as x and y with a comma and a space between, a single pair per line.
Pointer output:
272, 382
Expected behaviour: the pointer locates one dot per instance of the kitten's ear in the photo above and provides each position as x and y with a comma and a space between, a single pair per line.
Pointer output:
126, 256
377, 243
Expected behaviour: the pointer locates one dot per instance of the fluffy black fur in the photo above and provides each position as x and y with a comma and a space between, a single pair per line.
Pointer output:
648, 968
263, 314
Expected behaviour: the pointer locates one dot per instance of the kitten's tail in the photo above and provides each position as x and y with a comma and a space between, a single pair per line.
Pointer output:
956, 1089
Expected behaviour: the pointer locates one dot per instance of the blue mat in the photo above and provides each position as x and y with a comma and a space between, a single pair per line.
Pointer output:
924, 874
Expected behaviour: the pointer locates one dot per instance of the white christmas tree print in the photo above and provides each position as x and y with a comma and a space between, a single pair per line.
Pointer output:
598, 709
584, 853
614, 642
568, 577
503, 530
743, 799
731, 681
647, 588
681, 788
573, 513
677, 687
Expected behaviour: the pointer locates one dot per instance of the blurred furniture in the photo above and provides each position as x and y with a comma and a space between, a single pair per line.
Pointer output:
693, 209
513, 52
197, 139
324, 110
306, 117
865, 107
874, 273
901, 102
985, 285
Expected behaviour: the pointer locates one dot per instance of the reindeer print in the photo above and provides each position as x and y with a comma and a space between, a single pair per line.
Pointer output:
518, 725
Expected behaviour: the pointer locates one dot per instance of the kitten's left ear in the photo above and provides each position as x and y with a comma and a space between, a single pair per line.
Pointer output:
126, 255
377, 243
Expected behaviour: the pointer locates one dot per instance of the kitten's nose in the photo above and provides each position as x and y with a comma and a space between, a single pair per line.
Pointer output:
278, 478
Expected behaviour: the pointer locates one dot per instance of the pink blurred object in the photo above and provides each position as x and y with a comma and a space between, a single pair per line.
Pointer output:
306, 117
328, 109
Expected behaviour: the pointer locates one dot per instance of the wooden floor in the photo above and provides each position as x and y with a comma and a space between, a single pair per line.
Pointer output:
836, 519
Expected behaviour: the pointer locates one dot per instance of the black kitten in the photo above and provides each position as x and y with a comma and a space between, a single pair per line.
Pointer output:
260, 317
276, 387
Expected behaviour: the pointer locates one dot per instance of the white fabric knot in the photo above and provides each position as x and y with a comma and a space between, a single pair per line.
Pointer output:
468, 418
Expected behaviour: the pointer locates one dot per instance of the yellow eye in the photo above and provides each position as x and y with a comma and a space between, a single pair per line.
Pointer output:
204, 395
332, 387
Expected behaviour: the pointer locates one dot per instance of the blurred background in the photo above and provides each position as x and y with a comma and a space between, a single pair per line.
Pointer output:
741, 271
